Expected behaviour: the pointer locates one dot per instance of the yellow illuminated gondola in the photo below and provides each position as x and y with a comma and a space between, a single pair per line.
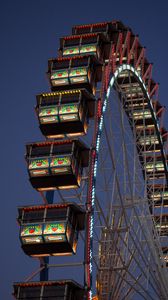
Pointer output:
65, 113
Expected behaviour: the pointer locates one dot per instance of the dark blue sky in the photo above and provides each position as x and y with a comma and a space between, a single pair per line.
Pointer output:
29, 35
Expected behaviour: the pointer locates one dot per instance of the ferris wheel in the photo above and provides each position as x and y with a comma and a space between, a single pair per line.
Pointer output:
102, 173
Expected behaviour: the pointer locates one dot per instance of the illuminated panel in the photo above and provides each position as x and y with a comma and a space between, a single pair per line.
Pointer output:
148, 140
68, 113
31, 234
38, 167
71, 51
146, 127
78, 75
165, 195
136, 104
54, 228
33, 229
48, 111
32, 240
78, 72
60, 171
79, 79
39, 173
60, 161
48, 114
53, 119
70, 117
88, 49
59, 74
158, 166
60, 165
157, 195
60, 77
63, 81
68, 109
38, 163
54, 232
163, 226
55, 238
144, 114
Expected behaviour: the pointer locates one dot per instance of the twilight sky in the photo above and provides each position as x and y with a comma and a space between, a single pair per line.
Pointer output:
29, 35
